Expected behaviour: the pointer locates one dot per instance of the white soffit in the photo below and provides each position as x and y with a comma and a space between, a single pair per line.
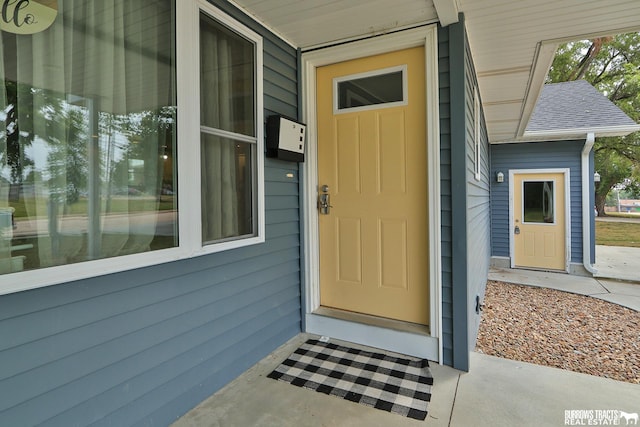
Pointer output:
513, 45
512, 42
311, 23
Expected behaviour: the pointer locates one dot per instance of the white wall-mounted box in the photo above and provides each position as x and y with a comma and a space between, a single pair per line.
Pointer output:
285, 139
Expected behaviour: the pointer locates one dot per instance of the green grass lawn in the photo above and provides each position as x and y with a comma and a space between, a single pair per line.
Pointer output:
118, 205
618, 234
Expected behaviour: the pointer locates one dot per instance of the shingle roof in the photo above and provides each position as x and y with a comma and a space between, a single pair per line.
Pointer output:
577, 107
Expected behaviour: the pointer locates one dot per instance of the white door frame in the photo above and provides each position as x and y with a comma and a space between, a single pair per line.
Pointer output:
424, 36
567, 210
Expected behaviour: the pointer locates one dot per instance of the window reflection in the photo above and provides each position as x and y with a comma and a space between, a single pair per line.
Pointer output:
87, 152
539, 201
372, 90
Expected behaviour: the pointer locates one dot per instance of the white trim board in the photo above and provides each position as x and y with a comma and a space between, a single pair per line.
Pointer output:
599, 131
567, 208
424, 36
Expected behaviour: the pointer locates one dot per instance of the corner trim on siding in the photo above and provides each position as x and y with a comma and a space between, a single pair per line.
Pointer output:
423, 36
459, 279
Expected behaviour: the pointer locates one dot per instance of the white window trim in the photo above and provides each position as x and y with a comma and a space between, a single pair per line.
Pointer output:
188, 134
477, 133
190, 203
405, 90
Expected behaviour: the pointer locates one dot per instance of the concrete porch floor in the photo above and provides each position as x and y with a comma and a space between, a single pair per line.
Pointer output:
496, 392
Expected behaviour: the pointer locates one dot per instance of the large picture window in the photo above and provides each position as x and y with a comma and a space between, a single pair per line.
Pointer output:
132, 135
88, 106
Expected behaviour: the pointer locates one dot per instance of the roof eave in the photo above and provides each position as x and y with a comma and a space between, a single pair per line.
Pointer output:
545, 52
447, 11
580, 132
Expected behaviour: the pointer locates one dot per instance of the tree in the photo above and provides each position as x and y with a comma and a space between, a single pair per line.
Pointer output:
611, 65
18, 135
633, 189
67, 159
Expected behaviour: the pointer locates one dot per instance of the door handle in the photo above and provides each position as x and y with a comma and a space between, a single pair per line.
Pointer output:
516, 230
324, 203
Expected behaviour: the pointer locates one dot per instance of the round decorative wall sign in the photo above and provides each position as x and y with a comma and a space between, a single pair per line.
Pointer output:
27, 16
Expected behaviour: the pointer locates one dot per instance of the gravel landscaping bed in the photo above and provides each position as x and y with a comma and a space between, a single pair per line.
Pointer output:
559, 329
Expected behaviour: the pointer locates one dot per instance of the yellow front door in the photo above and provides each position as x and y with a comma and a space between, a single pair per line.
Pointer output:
372, 158
539, 232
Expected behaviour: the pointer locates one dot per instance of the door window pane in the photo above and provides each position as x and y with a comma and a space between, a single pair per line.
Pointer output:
88, 109
383, 88
538, 200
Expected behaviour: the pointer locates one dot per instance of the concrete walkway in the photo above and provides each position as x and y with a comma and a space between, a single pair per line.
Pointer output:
620, 292
617, 262
634, 220
496, 392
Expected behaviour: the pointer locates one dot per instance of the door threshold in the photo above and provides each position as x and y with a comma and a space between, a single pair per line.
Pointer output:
540, 269
368, 319
391, 335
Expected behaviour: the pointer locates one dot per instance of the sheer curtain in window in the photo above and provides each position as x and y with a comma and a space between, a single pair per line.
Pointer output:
227, 118
88, 114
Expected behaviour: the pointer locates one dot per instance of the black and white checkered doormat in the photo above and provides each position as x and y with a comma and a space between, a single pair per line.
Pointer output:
393, 384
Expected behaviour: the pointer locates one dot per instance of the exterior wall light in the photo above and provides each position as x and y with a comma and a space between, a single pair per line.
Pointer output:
499, 177
596, 177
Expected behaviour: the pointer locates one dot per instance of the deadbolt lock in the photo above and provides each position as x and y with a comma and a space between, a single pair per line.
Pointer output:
324, 205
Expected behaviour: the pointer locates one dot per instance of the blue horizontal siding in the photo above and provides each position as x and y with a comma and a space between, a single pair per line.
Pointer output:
478, 212
540, 155
142, 347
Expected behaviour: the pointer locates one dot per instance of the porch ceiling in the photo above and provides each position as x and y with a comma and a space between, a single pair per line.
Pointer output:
512, 42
